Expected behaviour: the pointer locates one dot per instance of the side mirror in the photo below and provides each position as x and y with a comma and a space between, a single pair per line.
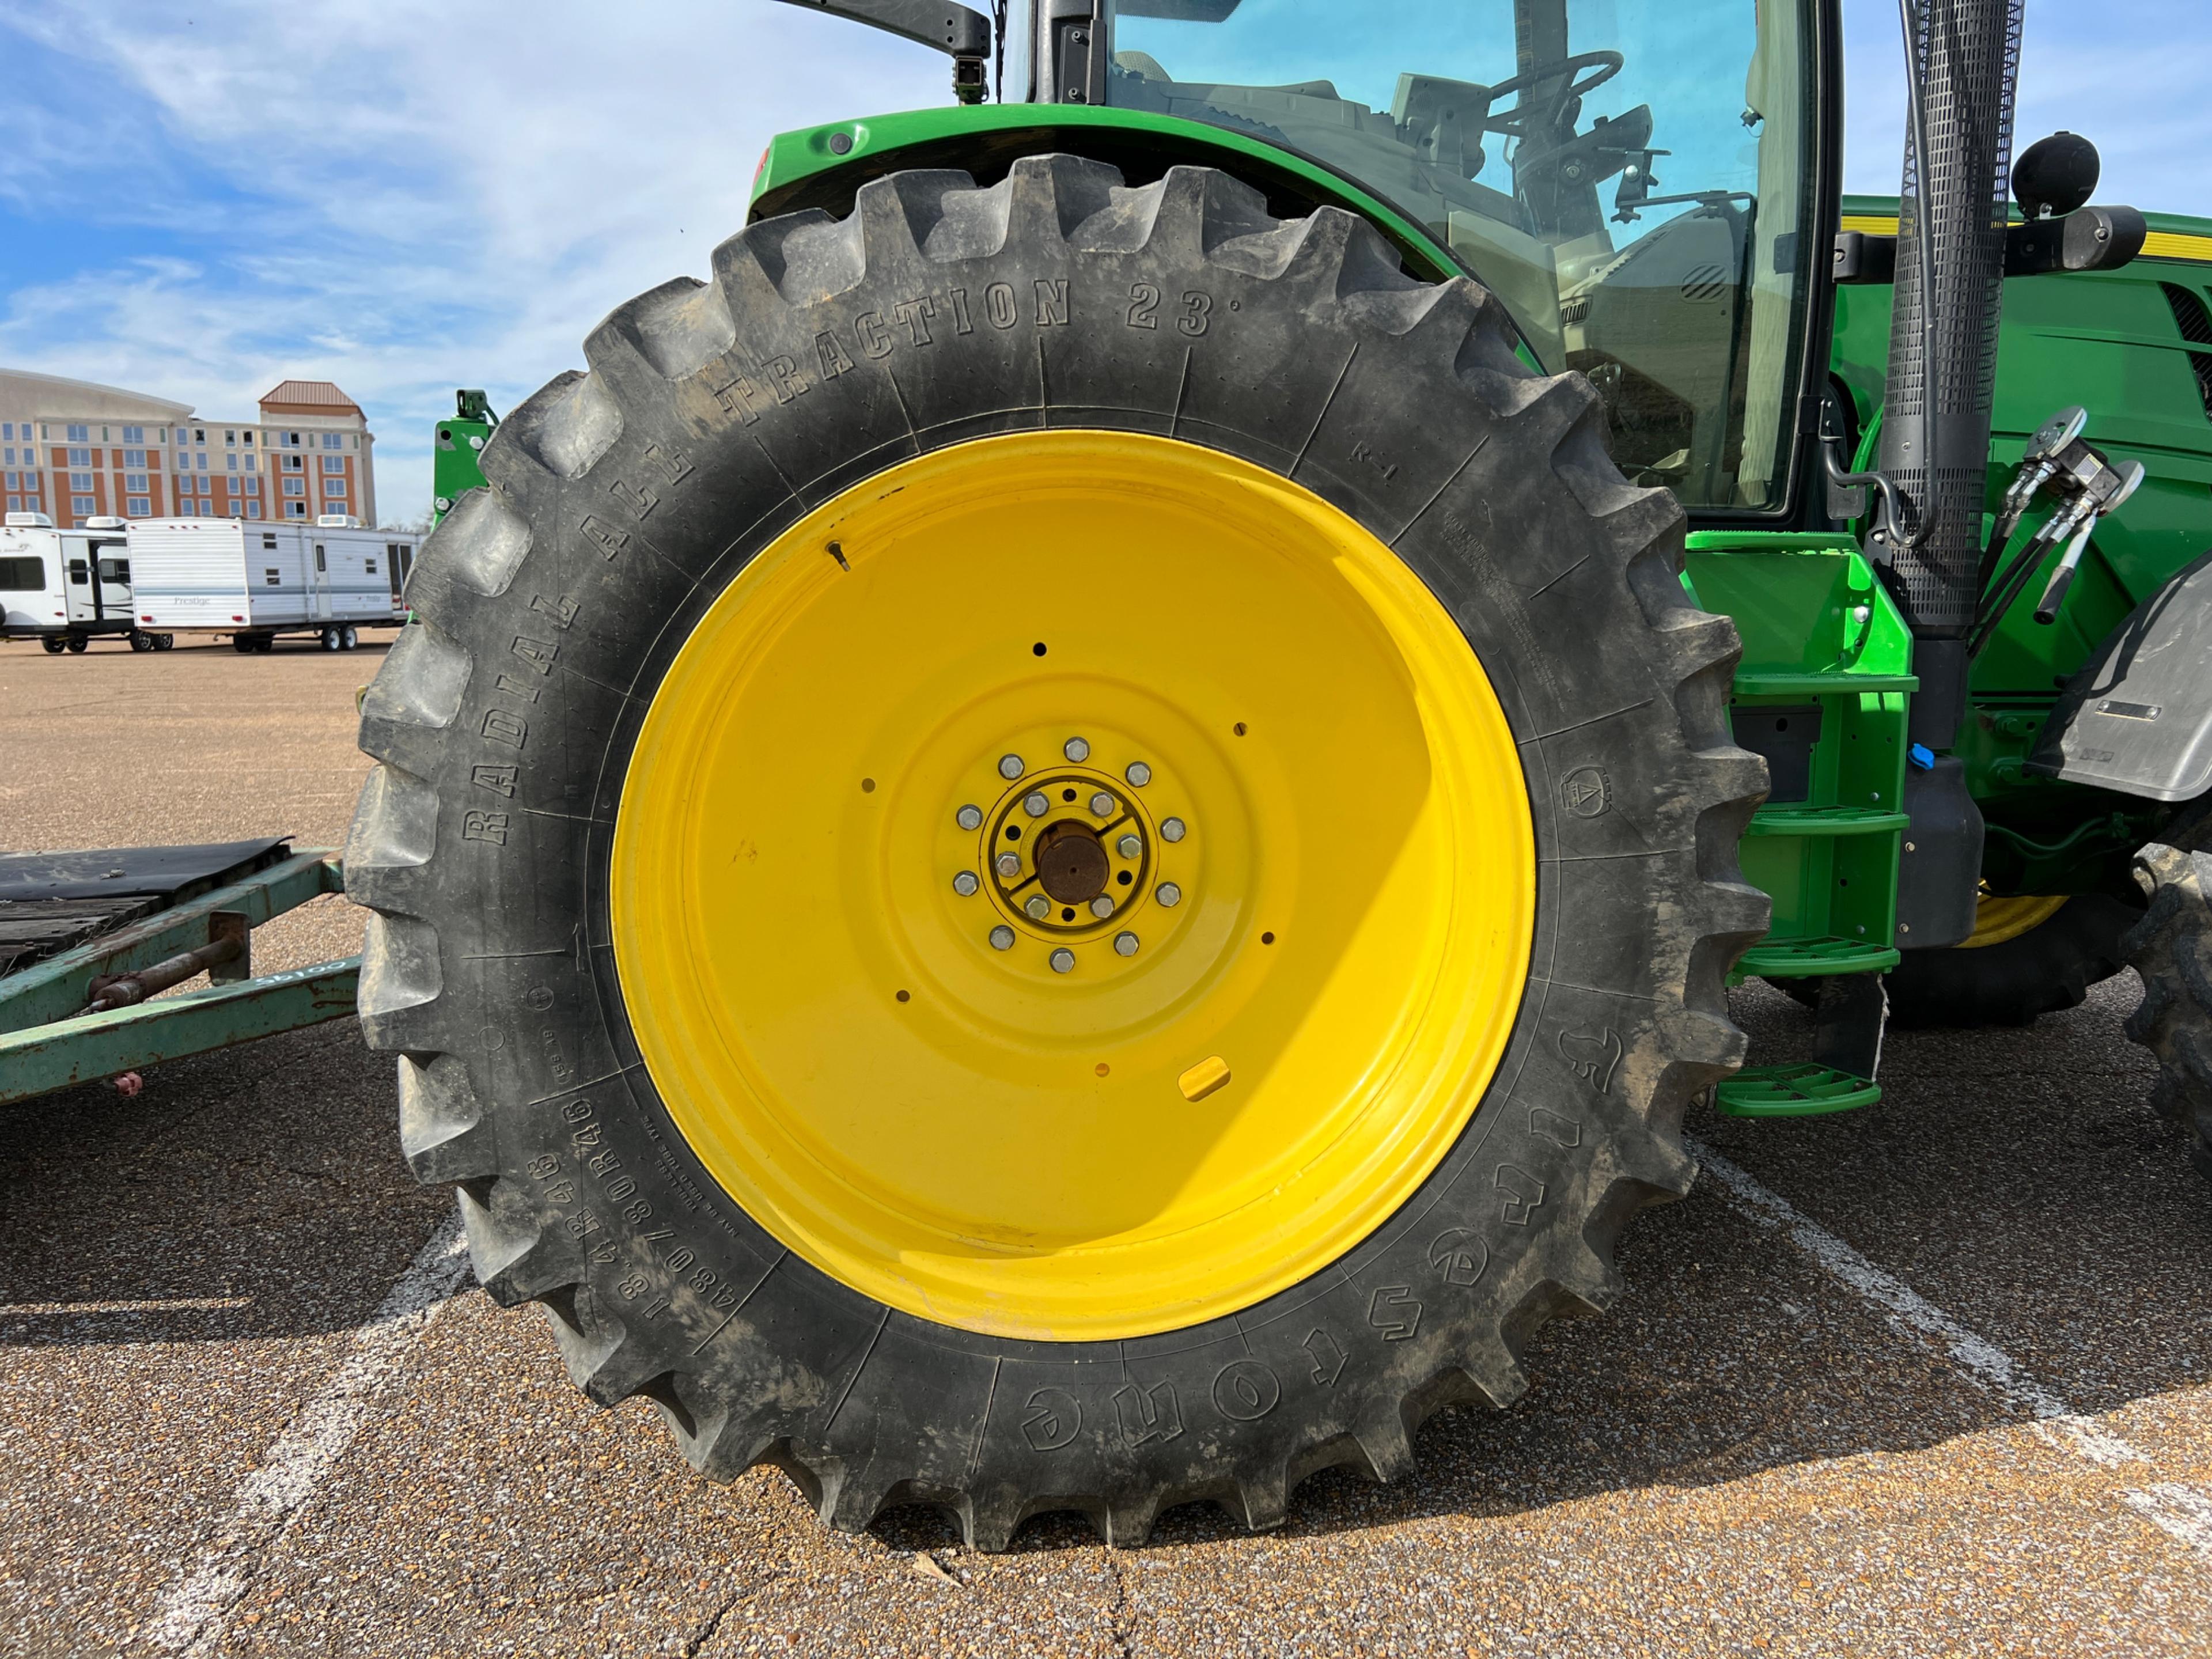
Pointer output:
2053, 179
963, 34
2053, 176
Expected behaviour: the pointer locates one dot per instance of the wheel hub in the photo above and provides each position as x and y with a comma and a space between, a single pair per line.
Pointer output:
1067, 854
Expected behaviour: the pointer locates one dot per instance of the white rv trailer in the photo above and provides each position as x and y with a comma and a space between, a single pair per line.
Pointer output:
255, 580
63, 587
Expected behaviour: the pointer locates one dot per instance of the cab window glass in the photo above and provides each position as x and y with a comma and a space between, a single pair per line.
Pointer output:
1629, 179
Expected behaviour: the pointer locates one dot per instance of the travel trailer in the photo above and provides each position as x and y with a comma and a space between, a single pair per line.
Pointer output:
64, 588
256, 581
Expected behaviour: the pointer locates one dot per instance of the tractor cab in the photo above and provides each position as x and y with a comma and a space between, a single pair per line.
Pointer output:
1631, 182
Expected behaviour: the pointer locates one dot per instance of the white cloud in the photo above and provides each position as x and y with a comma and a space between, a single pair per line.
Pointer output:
411, 197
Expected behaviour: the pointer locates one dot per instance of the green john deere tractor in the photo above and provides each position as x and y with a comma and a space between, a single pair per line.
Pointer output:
1073, 840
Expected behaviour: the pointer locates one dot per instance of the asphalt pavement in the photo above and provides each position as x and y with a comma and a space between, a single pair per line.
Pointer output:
1935, 1377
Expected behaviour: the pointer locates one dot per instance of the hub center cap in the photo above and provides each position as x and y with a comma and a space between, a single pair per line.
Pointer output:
1072, 864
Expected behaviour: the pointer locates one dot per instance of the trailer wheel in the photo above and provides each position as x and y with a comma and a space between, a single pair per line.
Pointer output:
77, 644
53, 644
140, 640
165, 642
349, 636
1379, 934
333, 639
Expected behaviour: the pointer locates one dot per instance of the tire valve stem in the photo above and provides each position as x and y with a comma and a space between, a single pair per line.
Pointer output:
837, 553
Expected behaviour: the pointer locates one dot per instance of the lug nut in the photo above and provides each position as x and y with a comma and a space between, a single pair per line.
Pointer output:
1076, 749
1011, 767
1035, 805
1002, 938
1009, 865
1102, 805
970, 817
1174, 829
1169, 894
1125, 945
1139, 773
1128, 847
1102, 907
1038, 906
1062, 960
965, 883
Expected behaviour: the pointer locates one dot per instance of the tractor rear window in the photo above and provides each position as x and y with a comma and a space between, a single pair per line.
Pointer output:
1630, 180
22, 576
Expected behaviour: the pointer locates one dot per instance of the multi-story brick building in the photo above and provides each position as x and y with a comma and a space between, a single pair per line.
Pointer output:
74, 450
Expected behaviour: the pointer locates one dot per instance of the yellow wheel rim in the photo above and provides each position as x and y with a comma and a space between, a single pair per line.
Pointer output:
1997, 919
1130, 1137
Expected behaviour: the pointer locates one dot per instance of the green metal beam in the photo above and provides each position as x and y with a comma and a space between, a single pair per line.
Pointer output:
89, 1047
57, 988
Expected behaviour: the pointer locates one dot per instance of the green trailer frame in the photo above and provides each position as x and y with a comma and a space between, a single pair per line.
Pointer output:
48, 1042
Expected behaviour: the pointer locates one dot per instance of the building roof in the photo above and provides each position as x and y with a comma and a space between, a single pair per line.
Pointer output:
55, 394
308, 398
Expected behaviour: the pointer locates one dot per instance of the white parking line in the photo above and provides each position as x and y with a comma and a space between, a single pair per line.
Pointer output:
2181, 1511
194, 1613
170, 1304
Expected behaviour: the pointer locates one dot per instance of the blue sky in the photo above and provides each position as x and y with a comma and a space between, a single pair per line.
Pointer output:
199, 199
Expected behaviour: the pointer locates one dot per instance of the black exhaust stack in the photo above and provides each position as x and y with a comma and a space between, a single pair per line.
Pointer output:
1964, 61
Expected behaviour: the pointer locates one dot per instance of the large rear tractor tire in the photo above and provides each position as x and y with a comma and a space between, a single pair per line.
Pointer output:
2171, 948
1057, 847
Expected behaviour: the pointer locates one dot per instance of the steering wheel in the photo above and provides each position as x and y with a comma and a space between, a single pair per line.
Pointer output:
1585, 71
